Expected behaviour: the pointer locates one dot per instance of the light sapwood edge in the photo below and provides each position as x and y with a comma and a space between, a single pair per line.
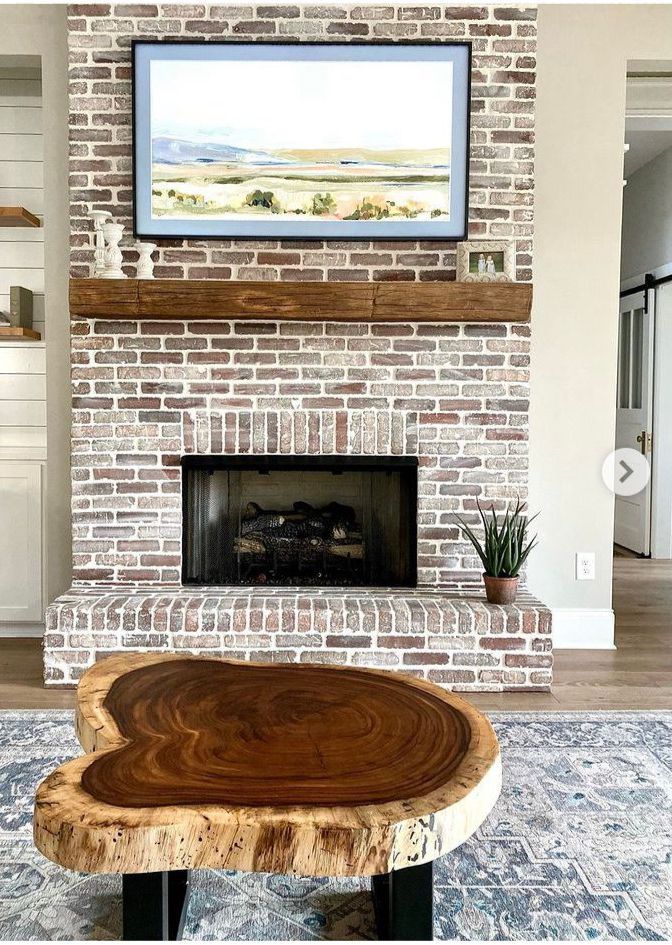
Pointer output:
79, 832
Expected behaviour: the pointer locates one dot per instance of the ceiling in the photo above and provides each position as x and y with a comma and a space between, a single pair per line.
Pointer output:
648, 123
644, 147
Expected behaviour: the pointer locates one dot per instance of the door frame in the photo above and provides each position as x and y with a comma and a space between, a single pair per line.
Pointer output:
661, 459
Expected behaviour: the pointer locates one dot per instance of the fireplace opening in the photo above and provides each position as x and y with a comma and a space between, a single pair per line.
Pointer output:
289, 521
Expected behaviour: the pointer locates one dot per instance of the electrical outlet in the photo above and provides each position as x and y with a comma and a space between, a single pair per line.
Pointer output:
585, 565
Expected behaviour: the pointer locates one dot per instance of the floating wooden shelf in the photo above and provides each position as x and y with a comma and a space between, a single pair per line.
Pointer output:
302, 301
9, 331
18, 216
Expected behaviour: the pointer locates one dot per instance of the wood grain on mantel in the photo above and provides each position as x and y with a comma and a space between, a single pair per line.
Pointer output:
301, 301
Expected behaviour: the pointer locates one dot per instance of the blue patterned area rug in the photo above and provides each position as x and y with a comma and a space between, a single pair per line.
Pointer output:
578, 847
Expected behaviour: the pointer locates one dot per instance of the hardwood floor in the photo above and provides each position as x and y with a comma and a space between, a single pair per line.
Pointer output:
21, 684
637, 675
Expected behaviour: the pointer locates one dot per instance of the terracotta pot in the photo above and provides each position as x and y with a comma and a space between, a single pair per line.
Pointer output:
500, 590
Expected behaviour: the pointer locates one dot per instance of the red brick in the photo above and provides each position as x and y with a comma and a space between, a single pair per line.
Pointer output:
501, 643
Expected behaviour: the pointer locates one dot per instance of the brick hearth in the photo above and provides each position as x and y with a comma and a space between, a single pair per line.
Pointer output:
452, 636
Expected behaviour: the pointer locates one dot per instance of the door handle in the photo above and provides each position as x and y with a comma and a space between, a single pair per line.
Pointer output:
645, 442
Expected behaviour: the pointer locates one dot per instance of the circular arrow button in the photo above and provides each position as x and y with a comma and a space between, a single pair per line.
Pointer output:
626, 471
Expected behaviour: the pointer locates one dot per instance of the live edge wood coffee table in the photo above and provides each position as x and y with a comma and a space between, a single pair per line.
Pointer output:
304, 769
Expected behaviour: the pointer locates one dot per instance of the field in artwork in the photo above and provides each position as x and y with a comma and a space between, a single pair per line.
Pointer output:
334, 184
312, 140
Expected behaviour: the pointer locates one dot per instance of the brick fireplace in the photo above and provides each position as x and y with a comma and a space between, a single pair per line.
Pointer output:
150, 395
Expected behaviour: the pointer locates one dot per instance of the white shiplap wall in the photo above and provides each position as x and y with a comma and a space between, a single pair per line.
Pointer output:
23, 433
23, 405
22, 184
35, 37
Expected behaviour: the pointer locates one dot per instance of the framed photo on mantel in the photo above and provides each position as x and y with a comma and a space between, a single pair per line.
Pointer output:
301, 140
486, 261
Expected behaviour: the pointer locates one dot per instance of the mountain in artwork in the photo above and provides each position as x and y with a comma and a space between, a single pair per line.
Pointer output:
169, 150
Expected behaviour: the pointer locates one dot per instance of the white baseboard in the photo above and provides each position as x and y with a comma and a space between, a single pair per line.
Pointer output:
583, 628
21, 630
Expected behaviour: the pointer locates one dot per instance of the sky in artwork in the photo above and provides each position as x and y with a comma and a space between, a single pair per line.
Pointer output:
283, 104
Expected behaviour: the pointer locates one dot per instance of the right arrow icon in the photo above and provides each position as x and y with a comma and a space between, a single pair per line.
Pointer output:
628, 471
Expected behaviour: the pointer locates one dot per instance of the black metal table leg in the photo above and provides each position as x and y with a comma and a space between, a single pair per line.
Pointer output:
154, 905
178, 902
403, 904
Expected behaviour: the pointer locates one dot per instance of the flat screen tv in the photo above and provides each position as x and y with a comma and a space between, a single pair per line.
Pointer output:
301, 140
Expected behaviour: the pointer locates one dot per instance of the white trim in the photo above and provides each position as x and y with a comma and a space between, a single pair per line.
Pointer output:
21, 630
583, 628
648, 97
661, 487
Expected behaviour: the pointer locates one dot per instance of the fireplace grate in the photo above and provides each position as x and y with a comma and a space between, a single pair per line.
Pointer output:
303, 545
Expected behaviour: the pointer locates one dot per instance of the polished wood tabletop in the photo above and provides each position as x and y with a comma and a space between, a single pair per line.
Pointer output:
293, 768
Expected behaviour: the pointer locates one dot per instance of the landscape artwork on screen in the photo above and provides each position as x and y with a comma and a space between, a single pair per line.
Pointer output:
294, 141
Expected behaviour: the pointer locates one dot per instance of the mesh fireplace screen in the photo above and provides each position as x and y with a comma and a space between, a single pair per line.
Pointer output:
300, 521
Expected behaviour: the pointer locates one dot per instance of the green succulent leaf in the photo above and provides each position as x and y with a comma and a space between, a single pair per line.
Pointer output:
505, 546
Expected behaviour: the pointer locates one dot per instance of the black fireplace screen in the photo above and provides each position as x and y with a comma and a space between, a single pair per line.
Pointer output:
325, 521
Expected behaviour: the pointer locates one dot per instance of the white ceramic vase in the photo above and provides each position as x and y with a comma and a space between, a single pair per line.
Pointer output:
99, 218
145, 268
113, 255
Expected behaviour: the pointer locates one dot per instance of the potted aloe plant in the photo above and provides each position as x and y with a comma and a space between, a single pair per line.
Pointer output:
503, 551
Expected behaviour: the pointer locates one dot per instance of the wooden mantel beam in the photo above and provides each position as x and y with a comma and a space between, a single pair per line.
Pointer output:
301, 301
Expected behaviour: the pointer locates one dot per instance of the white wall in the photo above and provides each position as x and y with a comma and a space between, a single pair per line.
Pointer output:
582, 57
40, 30
647, 218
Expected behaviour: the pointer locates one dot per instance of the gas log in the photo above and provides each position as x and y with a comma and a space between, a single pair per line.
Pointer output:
303, 532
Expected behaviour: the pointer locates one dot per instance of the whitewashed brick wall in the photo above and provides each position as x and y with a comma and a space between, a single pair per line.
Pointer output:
134, 383
144, 393
502, 131
463, 389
